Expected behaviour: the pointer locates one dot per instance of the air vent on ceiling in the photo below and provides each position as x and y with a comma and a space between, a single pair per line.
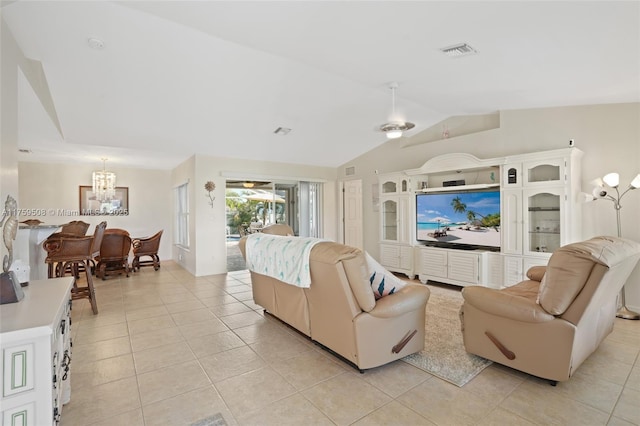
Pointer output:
458, 50
24, 151
282, 131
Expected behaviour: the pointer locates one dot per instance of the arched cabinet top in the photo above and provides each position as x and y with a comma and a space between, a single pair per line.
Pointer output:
455, 161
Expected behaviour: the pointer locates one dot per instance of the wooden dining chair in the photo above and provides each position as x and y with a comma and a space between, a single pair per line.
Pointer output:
68, 253
114, 253
147, 246
75, 227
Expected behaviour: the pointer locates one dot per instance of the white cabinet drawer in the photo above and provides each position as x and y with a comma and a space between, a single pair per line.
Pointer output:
18, 369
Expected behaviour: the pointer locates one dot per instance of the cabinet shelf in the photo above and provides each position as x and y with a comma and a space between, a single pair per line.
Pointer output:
544, 209
460, 187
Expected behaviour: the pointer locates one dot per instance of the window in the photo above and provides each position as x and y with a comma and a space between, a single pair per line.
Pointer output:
182, 215
310, 196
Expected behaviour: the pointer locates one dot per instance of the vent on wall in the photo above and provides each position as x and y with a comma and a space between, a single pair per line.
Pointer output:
350, 171
458, 50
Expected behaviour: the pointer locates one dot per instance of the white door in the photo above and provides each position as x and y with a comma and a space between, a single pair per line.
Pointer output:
352, 213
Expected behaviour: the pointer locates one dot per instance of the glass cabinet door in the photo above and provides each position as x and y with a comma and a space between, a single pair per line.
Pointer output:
544, 172
389, 187
390, 220
544, 225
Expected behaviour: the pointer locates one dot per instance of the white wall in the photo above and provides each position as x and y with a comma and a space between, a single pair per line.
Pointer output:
55, 189
609, 135
11, 56
207, 254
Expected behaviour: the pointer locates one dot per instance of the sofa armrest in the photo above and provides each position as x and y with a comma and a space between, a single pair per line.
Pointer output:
407, 299
505, 305
536, 273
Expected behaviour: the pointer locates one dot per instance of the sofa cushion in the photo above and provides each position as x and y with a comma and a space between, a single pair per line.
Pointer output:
382, 281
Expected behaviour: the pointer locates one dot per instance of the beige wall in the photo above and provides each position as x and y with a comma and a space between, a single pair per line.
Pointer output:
54, 188
609, 135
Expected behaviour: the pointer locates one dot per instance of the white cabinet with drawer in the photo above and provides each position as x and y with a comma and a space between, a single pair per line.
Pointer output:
36, 353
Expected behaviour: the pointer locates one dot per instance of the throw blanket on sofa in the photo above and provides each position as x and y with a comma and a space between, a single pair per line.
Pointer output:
280, 257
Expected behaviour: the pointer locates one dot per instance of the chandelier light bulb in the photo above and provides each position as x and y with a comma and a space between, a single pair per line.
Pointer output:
612, 179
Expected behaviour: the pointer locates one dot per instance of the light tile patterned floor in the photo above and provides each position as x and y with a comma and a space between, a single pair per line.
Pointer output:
170, 349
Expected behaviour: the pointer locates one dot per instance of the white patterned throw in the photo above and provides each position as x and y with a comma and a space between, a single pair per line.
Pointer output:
283, 258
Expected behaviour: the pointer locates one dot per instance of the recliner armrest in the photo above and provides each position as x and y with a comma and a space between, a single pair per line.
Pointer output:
536, 273
407, 299
505, 305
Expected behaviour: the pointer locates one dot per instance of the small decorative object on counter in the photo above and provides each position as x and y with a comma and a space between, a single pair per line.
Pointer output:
10, 289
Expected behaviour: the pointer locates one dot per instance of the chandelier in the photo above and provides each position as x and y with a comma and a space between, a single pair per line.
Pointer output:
104, 183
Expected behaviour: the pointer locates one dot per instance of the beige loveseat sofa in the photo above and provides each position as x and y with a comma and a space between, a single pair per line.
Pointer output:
339, 309
548, 325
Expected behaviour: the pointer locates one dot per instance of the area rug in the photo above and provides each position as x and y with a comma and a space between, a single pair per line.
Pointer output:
443, 354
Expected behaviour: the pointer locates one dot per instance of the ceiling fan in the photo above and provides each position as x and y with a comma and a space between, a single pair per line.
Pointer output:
394, 129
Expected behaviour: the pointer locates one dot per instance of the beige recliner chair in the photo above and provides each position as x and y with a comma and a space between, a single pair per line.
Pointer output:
548, 325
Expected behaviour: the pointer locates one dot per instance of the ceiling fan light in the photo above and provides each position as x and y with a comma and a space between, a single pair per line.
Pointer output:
394, 134
248, 184
395, 129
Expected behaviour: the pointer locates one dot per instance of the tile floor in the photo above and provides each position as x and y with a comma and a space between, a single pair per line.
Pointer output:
170, 349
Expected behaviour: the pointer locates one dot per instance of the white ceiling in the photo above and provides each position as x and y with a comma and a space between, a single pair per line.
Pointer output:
218, 77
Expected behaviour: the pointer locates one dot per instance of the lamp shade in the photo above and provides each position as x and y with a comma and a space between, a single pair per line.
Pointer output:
599, 192
585, 198
612, 179
635, 183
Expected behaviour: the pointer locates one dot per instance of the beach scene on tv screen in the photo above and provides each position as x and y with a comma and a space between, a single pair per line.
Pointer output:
471, 218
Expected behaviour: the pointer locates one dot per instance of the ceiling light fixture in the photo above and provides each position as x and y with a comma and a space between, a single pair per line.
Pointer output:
394, 129
104, 183
248, 184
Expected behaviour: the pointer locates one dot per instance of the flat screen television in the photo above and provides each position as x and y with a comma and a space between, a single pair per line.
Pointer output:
460, 219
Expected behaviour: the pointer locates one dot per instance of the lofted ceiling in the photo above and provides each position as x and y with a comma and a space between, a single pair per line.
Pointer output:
177, 78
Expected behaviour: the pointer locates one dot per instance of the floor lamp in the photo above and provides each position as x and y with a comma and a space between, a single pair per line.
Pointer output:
600, 192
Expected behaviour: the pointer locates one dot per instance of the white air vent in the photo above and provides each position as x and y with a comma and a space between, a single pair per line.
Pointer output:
24, 151
458, 50
282, 131
350, 171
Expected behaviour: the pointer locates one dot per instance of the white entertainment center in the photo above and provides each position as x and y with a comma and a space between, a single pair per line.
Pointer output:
539, 212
